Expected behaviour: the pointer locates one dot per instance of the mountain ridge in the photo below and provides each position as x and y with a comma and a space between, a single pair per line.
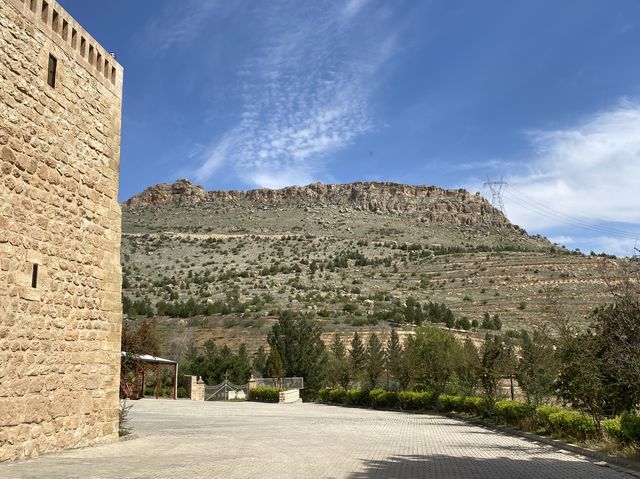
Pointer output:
430, 204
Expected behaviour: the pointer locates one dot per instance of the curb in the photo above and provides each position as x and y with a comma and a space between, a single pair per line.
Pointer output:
619, 464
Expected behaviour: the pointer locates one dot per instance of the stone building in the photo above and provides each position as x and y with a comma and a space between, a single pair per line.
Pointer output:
60, 274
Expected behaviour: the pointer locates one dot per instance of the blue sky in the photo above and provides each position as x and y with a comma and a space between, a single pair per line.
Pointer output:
244, 94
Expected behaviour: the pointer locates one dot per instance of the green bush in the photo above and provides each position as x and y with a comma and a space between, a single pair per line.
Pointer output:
337, 396
264, 394
572, 423
512, 412
415, 401
630, 425
357, 397
323, 395
613, 429
182, 392
447, 403
475, 405
543, 412
379, 398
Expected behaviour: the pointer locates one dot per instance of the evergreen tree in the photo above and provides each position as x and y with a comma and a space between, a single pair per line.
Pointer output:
274, 366
259, 364
393, 356
357, 356
299, 343
375, 360
487, 323
338, 364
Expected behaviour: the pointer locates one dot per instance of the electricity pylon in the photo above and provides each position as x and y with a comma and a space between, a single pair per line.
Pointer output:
496, 193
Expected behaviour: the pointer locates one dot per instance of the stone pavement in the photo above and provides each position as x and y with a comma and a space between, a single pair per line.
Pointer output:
184, 439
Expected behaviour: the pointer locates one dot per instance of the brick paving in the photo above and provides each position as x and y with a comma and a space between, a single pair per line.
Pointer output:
179, 439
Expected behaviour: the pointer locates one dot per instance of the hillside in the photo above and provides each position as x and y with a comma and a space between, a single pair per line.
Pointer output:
348, 255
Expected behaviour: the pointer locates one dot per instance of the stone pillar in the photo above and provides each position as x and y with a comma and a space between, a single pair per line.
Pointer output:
251, 383
196, 388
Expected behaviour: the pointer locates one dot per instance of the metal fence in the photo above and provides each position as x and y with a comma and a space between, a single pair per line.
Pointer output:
284, 383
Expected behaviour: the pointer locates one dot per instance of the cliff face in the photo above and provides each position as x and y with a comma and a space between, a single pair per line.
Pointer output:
426, 203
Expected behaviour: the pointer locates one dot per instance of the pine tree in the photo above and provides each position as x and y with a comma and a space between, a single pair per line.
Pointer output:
393, 356
357, 356
338, 364
375, 360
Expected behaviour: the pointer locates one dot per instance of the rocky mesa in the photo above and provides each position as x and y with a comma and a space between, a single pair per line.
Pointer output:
429, 204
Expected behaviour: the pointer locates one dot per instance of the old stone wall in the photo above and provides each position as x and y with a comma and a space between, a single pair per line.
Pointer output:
59, 164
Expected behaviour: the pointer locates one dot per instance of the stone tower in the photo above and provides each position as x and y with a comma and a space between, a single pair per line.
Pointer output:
60, 274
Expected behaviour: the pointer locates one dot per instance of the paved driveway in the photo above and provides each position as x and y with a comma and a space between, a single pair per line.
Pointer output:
184, 439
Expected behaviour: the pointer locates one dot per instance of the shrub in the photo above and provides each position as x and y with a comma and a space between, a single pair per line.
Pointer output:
543, 412
379, 398
264, 394
182, 392
572, 423
613, 429
512, 412
323, 395
630, 425
337, 396
447, 403
357, 397
476, 405
415, 401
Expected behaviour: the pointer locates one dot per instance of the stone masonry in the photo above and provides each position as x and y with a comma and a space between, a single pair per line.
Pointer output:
60, 274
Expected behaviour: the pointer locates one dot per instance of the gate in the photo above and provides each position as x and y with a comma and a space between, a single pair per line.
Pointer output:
225, 391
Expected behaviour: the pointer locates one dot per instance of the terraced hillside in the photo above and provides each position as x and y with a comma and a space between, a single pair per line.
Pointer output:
354, 257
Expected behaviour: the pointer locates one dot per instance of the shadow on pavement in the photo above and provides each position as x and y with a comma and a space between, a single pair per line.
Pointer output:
449, 467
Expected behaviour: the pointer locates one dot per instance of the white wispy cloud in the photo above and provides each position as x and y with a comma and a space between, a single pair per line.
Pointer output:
304, 93
587, 174
178, 24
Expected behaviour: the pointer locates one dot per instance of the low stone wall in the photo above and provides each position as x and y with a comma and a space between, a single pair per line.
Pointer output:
290, 396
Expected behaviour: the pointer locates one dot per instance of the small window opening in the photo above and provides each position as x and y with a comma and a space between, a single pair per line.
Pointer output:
105, 70
83, 47
34, 5
74, 38
65, 30
113, 75
34, 276
55, 22
99, 62
45, 11
51, 73
91, 55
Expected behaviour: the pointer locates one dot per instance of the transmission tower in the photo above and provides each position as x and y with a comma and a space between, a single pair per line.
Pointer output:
496, 193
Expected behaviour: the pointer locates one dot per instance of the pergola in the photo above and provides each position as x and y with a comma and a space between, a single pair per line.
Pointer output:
149, 363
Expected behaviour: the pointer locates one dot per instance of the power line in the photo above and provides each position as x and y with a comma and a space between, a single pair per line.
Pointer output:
530, 204
528, 199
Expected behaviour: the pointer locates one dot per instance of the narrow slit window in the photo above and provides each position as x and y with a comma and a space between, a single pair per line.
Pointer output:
99, 62
51, 73
83, 47
91, 55
34, 5
55, 21
105, 70
113, 75
65, 30
34, 276
45, 11
74, 38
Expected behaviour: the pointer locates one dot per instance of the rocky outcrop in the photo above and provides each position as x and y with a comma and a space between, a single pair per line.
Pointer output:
427, 203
